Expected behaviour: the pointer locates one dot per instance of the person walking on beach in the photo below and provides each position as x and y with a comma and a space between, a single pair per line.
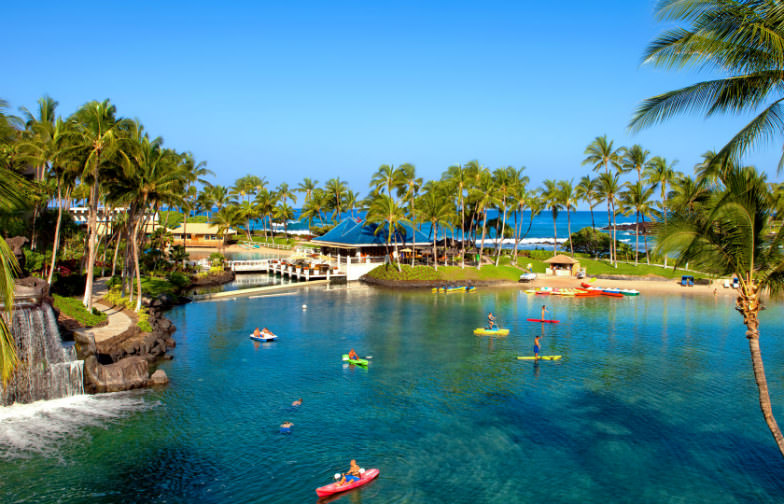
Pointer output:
536, 347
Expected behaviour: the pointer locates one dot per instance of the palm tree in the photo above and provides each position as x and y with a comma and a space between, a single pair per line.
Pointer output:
385, 211
457, 175
307, 186
732, 234
659, 173
248, 210
687, 194
609, 186
283, 213
98, 132
225, 219
506, 179
525, 199
436, 209
248, 186
740, 39
485, 195
636, 199
351, 200
387, 177
408, 190
193, 172
265, 202
335, 188
551, 197
568, 198
601, 155
634, 158
586, 191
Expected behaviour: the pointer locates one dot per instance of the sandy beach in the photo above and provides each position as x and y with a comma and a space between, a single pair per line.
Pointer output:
645, 286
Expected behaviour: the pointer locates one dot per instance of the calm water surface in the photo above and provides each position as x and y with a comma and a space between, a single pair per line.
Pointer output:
654, 401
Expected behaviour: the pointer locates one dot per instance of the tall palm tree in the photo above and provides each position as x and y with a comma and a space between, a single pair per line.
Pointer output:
506, 180
635, 158
336, 190
98, 132
193, 172
743, 40
586, 191
568, 198
306, 187
458, 176
225, 219
731, 234
485, 195
687, 194
385, 212
283, 213
659, 173
387, 178
636, 199
408, 191
601, 155
265, 202
609, 187
525, 199
248, 186
551, 196
435, 208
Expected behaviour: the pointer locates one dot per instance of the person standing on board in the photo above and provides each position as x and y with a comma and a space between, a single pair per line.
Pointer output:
544, 309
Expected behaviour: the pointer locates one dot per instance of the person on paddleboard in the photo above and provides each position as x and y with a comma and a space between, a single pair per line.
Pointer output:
490, 321
536, 344
353, 355
544, 309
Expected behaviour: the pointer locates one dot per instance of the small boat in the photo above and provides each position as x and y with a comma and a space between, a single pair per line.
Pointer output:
481, 331
630, 292
541, 357
357, 362
334, 488
610, 293
264, 338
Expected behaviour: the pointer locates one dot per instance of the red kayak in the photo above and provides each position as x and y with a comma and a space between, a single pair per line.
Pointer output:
333, 488
544, 321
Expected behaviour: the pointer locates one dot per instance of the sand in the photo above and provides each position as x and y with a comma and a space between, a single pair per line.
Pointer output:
645, 286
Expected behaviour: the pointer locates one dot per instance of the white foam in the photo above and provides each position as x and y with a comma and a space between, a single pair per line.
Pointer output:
39, 427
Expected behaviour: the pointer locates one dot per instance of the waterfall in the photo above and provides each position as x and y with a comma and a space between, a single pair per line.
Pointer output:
47, 369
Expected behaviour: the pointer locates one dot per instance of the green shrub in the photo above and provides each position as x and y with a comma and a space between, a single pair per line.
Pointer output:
74, 308
34, 261
179, 280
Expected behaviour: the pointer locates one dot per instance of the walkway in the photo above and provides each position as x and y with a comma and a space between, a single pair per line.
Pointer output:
119, 322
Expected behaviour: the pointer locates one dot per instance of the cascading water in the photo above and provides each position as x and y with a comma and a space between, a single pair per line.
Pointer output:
47, 369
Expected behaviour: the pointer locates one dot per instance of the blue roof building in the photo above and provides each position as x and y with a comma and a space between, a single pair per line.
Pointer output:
355, 234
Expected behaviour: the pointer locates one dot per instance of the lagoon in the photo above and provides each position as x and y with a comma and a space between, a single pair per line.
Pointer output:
654, 401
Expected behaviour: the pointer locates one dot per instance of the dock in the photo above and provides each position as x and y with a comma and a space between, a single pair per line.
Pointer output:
267, 289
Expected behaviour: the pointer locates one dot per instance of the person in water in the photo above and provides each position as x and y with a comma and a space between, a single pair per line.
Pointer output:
298, 402
490, 321
353, 355
544, 309
353, 474
536, 346
286, 426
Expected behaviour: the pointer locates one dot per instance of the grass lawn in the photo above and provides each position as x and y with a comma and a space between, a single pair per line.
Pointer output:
74, 308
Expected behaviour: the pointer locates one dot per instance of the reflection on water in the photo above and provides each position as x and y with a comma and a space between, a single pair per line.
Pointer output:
645, 406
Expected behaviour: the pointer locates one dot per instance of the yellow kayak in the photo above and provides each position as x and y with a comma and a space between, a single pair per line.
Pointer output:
541, 357
481, 331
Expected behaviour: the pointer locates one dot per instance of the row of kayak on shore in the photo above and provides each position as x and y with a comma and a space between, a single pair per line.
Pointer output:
589, 291
453, 289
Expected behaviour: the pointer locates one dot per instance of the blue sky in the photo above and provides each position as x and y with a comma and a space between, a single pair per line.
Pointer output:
290, 90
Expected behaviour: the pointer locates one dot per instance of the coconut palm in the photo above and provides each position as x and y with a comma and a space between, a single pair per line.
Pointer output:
506, 180
741, 40
586, 191
336, 190
634, 158
659, 173
636, 199
732, 234
265, 203
387, 178
385, 212
687, 194
97, 132
601, 155
435, 208
551, 197
568, 197
283, 213
408, 191
306, 187
225, 219
248, 186
248, 211
609, 186
352, 200
525, 199
458, 178
193, 172
485, 194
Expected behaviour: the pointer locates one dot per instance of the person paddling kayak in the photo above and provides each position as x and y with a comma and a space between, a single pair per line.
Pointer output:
490, 321
352, 355
353, 474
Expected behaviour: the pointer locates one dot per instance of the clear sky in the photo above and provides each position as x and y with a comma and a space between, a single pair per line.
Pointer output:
289, 90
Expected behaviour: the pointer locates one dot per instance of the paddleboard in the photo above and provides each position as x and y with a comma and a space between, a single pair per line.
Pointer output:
358, 362
543, 321
541, 357
481, 331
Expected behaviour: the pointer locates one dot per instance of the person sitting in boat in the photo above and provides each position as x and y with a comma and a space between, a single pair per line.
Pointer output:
352, 475
490, 321
256, 332
266, 332
353, 355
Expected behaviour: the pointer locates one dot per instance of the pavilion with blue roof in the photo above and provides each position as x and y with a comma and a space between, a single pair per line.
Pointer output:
352, 236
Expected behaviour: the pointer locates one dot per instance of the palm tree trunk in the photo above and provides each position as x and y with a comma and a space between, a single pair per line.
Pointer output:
636, 236
752, 334
92, 219
569, 229
645, 241
614, 237
555, 232
136, 265
482, 243
593, 224
609, 225
56, 243
462, 230
503, 228
435, 249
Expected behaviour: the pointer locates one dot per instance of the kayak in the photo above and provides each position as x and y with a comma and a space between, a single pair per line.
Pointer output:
543, 321
334, 488
481, 331
263, 338
541, 357
358, 362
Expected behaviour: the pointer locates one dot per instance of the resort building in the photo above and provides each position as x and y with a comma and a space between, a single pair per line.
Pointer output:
201, 234
561, 265
355, 238
105, 223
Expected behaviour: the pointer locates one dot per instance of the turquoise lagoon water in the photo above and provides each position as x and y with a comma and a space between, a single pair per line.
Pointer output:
654, 401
